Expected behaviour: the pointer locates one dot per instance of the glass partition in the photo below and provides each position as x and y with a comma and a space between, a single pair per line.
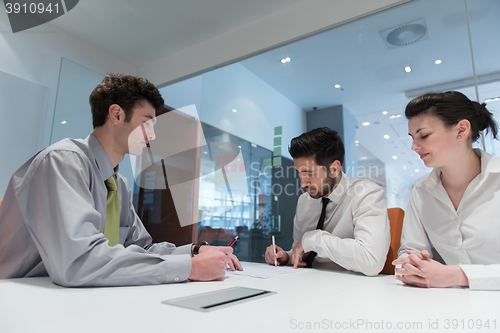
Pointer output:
372, 68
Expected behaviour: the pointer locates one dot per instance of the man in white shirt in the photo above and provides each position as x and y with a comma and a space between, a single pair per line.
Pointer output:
341, 222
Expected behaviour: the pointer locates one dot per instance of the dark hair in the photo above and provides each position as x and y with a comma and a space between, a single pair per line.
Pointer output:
124, 90
323, 143
451, 107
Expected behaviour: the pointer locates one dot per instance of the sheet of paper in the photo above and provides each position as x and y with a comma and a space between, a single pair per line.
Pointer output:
264, 271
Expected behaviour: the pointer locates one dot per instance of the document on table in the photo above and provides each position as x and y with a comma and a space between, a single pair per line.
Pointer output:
266, 271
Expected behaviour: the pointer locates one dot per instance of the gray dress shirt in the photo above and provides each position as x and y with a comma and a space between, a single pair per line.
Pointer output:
52, 217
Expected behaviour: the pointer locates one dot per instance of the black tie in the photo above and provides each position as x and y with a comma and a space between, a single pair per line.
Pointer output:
310, 258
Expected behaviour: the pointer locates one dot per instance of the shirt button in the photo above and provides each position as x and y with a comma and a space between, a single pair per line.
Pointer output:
176, 278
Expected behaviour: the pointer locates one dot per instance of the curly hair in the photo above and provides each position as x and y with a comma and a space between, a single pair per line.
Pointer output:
125, 90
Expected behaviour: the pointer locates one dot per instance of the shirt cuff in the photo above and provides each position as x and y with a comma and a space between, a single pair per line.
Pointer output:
309, 239
178, 267
482, 277
184, 249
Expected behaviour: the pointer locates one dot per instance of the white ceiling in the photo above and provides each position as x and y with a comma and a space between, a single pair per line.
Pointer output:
372, 77
119, 26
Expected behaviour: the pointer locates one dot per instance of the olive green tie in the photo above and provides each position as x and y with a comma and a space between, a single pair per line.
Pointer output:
112, 224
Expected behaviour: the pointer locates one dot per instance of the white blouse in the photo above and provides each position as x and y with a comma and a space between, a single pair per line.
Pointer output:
468, 236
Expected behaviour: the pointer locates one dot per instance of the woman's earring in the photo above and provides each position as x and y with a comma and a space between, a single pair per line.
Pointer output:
459, 137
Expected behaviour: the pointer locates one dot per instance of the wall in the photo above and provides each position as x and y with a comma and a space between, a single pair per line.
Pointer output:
259, 107
33, 59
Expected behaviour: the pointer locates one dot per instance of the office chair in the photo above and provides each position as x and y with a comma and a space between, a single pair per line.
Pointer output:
396, 216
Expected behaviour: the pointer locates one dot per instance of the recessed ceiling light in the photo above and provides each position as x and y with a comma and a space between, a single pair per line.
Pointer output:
384, 112
386, 136
437, 62
337, 86
394, 157
416, 170
366, 123
234, 110
394, 116
363, 158
356, 141
239, 147
285, 60
404, 167
63, 122
407, 69
492, 99
205, 152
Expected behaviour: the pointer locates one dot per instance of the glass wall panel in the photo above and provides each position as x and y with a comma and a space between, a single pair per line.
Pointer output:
371, 68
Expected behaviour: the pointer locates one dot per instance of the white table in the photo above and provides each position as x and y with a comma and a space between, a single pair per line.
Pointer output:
313, 301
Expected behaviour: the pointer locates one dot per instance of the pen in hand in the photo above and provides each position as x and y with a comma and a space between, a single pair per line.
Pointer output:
274, 248
233, 241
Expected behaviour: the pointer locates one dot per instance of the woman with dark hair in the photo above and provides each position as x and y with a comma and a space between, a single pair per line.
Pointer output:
456, 207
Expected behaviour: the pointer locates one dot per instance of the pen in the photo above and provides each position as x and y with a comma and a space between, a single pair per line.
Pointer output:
274, 247
233, 241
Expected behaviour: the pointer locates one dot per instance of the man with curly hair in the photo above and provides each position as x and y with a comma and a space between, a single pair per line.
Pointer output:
67, 212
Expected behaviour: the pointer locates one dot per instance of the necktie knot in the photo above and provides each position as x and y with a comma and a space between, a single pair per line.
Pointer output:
325, 201
111, 183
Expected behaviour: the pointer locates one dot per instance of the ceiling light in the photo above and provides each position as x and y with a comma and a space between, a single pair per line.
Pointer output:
437, 62
407, 69
239, 147
384, 112
63, 122
337, 86
394, 116
234, 110
386, 136
492, 99
404, 167
366, 123
356, 141
394, 157
205, 152
285, 60
416, 170
363, 158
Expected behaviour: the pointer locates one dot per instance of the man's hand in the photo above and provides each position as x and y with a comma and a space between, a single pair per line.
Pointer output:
281, 255
210, 264
234, 263
419, 270
296, 252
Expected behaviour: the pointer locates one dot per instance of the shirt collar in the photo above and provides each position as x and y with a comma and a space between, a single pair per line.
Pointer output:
489, 164
340, 189
101, 158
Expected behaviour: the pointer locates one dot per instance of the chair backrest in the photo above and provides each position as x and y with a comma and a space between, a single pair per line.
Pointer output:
0, 201
396, 216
